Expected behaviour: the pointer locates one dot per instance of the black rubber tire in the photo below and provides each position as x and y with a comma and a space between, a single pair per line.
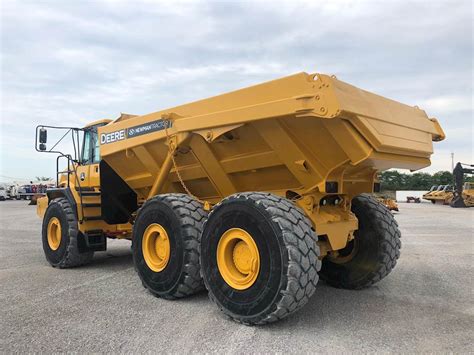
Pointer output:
433, 202
288, 252
377, 248
69, 253
183, 218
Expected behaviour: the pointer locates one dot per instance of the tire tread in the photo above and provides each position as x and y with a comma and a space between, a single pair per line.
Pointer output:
303, 264
192, 216
387, 229
72, 257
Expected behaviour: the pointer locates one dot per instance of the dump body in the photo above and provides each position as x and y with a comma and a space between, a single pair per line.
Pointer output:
305, 136
288, 134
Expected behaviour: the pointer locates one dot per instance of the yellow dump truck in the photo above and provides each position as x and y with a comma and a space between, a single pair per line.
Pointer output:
443, 196
253, 194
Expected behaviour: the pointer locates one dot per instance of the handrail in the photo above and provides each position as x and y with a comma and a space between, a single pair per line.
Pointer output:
70, 163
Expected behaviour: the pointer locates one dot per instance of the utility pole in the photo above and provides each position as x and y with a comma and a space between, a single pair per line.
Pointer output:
452, 161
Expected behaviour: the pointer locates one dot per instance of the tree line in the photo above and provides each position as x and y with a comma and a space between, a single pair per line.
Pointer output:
393, 180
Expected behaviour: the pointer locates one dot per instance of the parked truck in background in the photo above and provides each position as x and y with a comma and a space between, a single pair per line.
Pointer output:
3, 194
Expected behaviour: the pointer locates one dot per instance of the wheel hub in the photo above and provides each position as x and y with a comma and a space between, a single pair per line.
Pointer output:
238, 258
54, 233
156, 247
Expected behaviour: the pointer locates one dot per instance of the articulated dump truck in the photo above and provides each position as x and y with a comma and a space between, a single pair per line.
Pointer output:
253, 195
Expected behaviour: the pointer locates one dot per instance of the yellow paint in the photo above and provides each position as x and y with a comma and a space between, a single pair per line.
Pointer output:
41, 206
439, 196
389, 203
87, 175
468, 194
54, 233
156, 247
238, 259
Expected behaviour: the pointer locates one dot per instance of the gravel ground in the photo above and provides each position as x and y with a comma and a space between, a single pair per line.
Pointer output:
424, 305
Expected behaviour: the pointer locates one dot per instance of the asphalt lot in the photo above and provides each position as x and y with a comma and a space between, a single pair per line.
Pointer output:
424, 305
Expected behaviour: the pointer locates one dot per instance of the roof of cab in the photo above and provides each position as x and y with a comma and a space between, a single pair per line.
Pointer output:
95, 123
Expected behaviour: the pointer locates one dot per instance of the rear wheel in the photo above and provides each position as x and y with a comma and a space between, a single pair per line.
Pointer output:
373, 252
259, 257
63, 243
166, 237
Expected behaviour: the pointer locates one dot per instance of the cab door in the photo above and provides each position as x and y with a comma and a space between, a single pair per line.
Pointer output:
82, 170
94, 176
88, 170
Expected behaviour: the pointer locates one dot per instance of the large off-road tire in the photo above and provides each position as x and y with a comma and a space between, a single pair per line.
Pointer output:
63, 243
373, 252
172, 222
285, 274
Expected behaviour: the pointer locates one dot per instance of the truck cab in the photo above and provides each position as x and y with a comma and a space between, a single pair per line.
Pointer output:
78, 187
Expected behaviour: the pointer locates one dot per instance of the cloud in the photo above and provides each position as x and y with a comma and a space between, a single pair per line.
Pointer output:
74, 62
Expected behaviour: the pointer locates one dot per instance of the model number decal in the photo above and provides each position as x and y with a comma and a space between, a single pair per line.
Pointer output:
135, 131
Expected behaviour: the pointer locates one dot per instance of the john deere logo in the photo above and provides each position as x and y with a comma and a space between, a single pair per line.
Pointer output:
106, 138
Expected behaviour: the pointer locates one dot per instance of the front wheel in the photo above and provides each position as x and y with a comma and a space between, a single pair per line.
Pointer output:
373, 252
63, 243
259, 257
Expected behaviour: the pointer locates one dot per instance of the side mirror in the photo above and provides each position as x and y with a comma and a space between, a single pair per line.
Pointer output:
43, 137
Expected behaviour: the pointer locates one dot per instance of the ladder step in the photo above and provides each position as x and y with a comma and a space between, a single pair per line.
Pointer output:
95, 240
92, 218
91, 205
85, 188
89, 193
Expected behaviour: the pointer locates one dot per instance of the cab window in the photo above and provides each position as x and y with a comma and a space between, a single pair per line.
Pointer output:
95, 147
86, 148
90, 147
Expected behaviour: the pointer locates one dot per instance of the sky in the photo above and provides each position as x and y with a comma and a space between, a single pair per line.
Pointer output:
73, 62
